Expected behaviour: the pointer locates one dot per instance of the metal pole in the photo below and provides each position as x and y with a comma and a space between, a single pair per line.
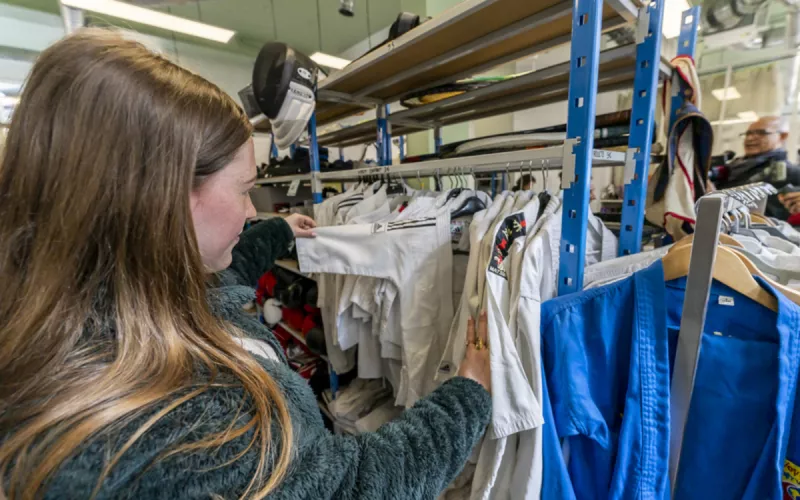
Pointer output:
645, 88
437, 140
74, 19
313, 156
387, 139
723, 106
402, 148
687, 41
381, 137
584, 54
273, 148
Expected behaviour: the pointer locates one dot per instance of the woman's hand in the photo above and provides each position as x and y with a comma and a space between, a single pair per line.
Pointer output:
791, 201
476, 360
302, 226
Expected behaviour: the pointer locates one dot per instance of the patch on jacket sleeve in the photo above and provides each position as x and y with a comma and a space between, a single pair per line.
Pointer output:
512, 228
791, 481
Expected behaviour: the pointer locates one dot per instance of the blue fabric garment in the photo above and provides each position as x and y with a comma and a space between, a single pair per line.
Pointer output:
607, 355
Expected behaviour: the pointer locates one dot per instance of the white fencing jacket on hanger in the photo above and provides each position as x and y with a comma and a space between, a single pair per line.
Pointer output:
415, 255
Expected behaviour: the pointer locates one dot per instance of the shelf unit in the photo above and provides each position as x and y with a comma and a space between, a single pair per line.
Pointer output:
291, 265
469, 38
533, 89
475, 36
298, 337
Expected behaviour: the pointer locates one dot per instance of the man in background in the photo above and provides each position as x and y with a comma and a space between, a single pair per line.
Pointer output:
765, 160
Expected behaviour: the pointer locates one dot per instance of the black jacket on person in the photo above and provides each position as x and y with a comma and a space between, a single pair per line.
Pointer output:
772, 167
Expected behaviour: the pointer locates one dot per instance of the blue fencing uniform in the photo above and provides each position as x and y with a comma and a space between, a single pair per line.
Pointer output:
607, 355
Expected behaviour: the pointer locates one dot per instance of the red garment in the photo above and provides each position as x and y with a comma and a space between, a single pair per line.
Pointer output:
309, 322
794, 219
266, 287
294, 318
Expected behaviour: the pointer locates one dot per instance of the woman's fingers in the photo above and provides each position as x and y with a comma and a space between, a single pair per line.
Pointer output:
483, 329
471, 335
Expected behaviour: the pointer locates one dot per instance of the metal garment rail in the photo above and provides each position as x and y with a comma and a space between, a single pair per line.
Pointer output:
637, 159
549, 158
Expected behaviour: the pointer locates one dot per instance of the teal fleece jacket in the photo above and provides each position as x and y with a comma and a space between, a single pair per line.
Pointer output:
415, 456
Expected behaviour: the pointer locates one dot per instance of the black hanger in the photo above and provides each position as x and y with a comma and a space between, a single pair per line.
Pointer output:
454, 193
471, 205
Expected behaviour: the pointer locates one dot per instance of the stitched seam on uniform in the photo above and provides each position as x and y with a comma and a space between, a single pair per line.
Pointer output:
645, 472
433, 224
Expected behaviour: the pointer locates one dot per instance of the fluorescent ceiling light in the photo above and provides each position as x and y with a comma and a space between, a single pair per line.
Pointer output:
730, 121
152, 18
750, 116
329, 61
671, 24
9, 87
726, 94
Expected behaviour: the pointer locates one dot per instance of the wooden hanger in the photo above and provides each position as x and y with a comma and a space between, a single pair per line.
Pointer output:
728, 270
760, 219
723, 238
790, 293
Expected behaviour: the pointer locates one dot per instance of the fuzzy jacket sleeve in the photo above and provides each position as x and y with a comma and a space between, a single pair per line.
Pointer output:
258, 249
413, 457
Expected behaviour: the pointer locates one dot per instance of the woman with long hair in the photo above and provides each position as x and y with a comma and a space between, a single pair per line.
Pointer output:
124, 187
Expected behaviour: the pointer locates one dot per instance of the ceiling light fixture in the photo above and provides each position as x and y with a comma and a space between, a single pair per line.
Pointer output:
726, 94
750, 116
152, 18
671, 23
329, 61
9, 87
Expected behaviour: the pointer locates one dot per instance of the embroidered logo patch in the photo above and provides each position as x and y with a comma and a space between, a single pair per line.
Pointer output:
512, 228
791, 481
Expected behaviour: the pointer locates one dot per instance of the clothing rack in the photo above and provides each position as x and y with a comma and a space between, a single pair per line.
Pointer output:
477, 35
710, 211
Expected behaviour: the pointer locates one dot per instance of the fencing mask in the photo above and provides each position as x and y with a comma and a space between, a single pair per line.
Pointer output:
283, 89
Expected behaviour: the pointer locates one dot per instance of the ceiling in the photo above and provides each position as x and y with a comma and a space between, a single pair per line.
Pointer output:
294, 22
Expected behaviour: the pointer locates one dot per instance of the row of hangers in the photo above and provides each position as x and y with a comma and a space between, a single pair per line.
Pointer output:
733, 265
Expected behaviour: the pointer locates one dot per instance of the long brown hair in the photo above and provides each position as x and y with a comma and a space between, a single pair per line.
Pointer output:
103, 310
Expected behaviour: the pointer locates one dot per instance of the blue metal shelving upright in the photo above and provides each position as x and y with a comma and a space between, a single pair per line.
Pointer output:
384, 142
273, 148
687, 41
576, 171
637, 160
316, 192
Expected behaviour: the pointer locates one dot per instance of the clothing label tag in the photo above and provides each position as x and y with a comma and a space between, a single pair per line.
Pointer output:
293, 187
456, 230
725, 301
